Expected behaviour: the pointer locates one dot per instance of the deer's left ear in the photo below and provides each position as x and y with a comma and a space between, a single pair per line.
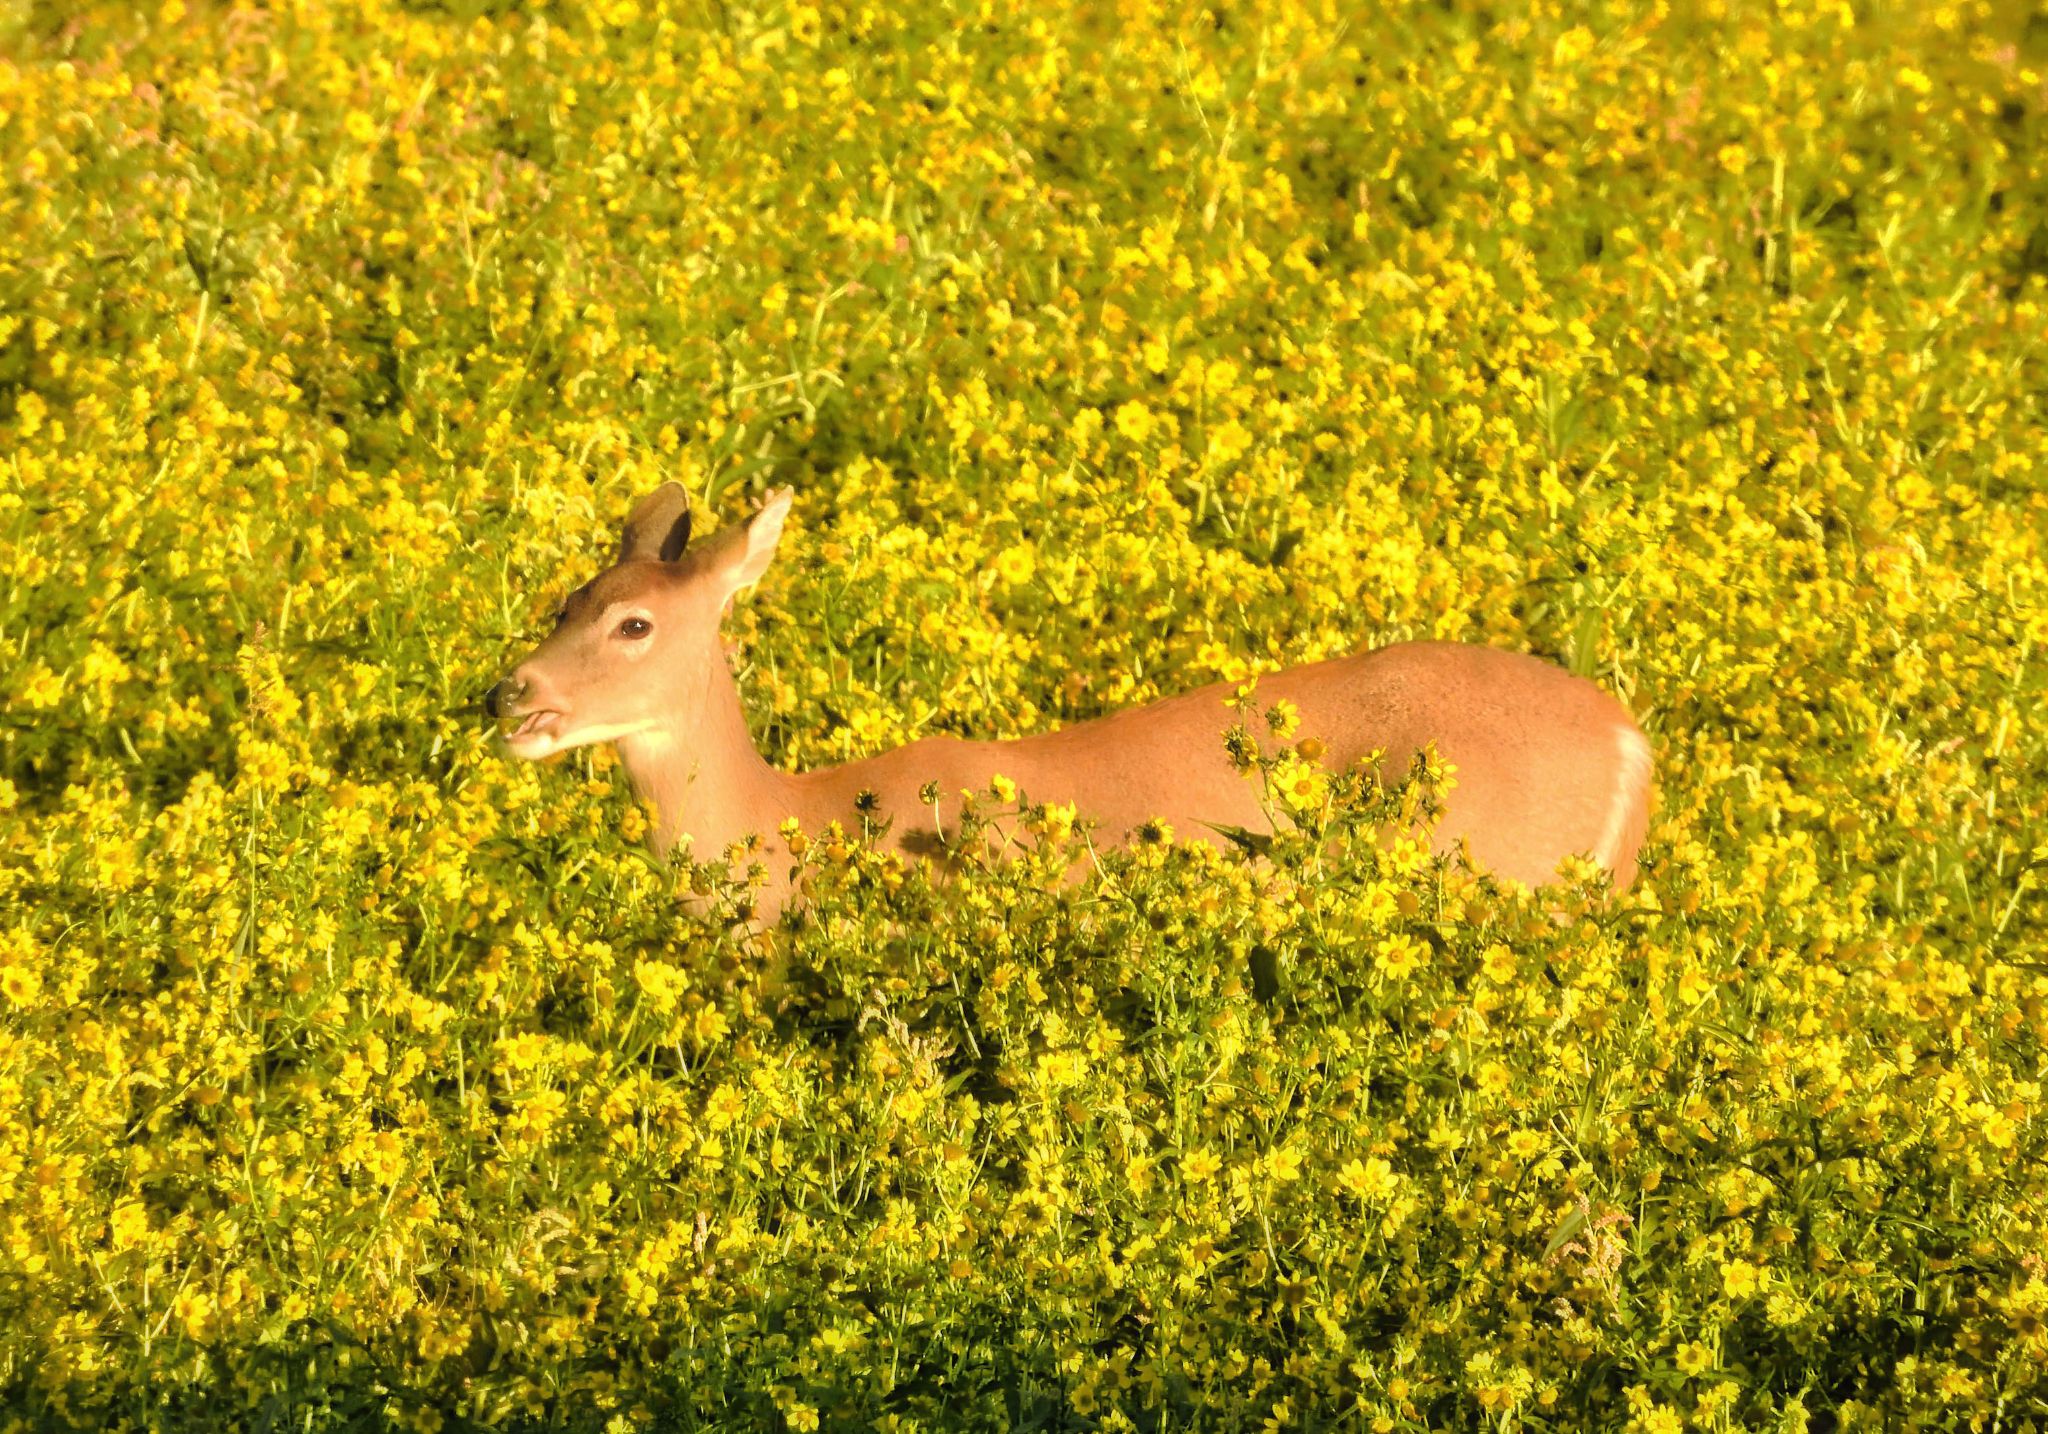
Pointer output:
658, 527
740, 554
763, 533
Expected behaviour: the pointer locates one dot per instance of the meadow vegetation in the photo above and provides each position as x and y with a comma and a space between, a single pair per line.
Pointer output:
353, 1076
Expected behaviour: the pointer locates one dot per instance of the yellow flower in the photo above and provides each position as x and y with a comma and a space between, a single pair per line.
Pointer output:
1572, 46
710, 1026
662, 983
41, 689
1302, 785
1016, 564
193, 1309
1228, 441
20, 985
1658, 1419
1370, 1179
1399, 957
128, 1225
1134, 421
1740, 1279
533, 1118
522, 1051
1055, 820
725, 1106
1498, 963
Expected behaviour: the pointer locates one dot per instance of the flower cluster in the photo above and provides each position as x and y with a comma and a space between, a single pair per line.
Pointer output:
351, 1074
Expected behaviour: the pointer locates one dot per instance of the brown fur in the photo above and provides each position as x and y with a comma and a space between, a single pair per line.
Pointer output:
1545, 763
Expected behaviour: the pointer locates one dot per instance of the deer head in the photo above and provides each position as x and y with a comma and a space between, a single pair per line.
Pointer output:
635, 650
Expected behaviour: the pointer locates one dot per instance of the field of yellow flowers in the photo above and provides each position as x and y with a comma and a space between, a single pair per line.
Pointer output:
355, 1077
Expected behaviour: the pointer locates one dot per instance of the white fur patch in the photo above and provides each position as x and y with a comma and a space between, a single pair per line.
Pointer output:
550, 741
1631, 787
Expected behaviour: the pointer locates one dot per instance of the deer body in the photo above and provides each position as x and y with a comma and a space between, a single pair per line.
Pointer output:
1546, 764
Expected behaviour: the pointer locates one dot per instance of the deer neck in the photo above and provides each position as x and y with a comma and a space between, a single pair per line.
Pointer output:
703, 775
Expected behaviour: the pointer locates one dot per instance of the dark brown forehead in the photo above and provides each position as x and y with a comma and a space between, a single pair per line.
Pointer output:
626, 582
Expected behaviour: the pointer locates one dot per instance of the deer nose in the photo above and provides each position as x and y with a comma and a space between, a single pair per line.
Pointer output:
503, 695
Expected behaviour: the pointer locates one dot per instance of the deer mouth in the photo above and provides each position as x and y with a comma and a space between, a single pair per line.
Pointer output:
533, 728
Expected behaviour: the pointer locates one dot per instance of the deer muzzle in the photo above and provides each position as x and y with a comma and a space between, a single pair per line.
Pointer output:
525, 726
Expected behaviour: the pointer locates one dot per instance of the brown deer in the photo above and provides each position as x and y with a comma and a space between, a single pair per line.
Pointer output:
1545, 764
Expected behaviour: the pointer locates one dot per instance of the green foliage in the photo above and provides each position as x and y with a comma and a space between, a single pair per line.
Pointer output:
352, 1076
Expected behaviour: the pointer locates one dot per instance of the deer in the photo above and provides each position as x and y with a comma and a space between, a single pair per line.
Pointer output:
1545, 764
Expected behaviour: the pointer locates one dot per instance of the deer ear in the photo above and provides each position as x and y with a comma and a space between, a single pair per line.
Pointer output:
658, 526
764, 533
741, 554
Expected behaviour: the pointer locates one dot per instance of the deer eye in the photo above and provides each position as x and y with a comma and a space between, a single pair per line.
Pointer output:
635, 627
